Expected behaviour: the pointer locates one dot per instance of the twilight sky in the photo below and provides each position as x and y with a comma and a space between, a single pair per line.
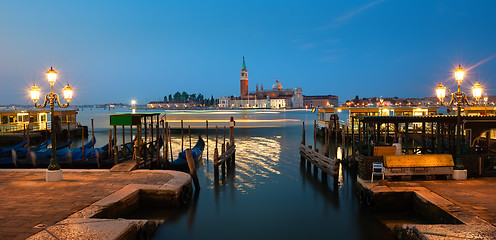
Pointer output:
113, 51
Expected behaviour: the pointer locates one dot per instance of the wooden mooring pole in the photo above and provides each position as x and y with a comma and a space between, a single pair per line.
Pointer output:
302, 159
82, 147
206, 123
182, 136
93, 134
157, 148
114, 144
216, 163
170, 142
28, 155
68, 134
110, 145
314, 134
166, 141
192, 168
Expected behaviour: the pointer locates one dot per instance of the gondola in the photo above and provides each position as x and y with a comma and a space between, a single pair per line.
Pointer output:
181, 164
7, 151
43, 156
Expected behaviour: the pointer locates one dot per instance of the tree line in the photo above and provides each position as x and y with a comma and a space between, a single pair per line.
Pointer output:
185, 97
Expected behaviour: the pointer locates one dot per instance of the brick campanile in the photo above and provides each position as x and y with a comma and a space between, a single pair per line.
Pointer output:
244, 80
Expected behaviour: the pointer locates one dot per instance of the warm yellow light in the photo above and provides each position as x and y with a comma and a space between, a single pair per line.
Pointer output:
459, 72
486, 98
477, 91
35, 93
133, 102
441, 92
52, 76
68, 93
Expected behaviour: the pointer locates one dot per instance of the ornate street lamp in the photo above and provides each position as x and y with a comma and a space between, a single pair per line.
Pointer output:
54, 173
458, 98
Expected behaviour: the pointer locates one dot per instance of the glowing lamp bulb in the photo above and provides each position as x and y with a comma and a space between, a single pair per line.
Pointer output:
35, 93
459, 72
68, 93
52, 76
441, 92
477, 91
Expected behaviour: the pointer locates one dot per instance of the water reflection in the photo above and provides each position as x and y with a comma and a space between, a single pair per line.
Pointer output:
320, 186
256, 160
192, 208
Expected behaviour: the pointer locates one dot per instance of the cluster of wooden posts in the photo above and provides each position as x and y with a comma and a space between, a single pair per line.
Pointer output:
228, 150
319, 159
146, 151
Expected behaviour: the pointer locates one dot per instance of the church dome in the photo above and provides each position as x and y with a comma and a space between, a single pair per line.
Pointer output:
277, 85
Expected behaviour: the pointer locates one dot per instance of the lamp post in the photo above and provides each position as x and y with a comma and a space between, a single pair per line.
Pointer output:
53, 172
485, 103
459, 98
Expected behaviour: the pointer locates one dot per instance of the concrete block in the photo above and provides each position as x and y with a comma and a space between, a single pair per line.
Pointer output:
398, 148
54, 175
460, 174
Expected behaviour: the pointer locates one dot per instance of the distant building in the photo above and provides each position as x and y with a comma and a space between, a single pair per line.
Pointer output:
320, 101
171, 104
277, 97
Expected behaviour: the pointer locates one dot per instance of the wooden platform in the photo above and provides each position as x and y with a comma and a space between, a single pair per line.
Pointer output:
124, 167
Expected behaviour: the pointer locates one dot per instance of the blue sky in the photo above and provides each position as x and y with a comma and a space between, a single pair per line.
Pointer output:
113, 51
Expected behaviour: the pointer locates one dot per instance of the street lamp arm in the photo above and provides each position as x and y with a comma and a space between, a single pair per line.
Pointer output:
47, 99
450, 103
452, 99
465, 99
57, 99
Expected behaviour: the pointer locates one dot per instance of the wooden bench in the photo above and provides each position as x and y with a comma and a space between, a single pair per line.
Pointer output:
384, 150
428, 165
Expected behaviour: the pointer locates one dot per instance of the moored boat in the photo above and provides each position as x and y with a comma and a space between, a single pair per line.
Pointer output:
181, 164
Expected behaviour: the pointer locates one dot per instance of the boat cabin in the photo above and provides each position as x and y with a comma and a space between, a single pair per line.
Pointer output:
18, 120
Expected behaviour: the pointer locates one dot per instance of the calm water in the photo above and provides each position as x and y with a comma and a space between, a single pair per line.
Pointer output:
269, 196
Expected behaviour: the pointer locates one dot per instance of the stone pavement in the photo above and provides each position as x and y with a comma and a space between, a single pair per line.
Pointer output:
26, 200
478, 196
472, 201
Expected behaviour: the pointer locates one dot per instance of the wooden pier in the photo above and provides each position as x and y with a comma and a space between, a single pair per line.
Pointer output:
426, 134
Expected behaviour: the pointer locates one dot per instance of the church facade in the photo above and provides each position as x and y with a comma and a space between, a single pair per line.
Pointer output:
276, 97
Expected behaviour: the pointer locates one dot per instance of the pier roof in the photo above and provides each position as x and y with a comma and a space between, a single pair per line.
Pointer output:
426, 118
127, 119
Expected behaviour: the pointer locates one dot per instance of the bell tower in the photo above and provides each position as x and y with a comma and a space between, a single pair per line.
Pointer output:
244, 80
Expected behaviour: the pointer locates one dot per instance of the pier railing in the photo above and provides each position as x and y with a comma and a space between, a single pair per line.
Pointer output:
312, 156
325, 164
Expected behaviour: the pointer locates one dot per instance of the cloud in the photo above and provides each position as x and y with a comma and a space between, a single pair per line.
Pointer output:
344, 18
350, 15
307, 46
